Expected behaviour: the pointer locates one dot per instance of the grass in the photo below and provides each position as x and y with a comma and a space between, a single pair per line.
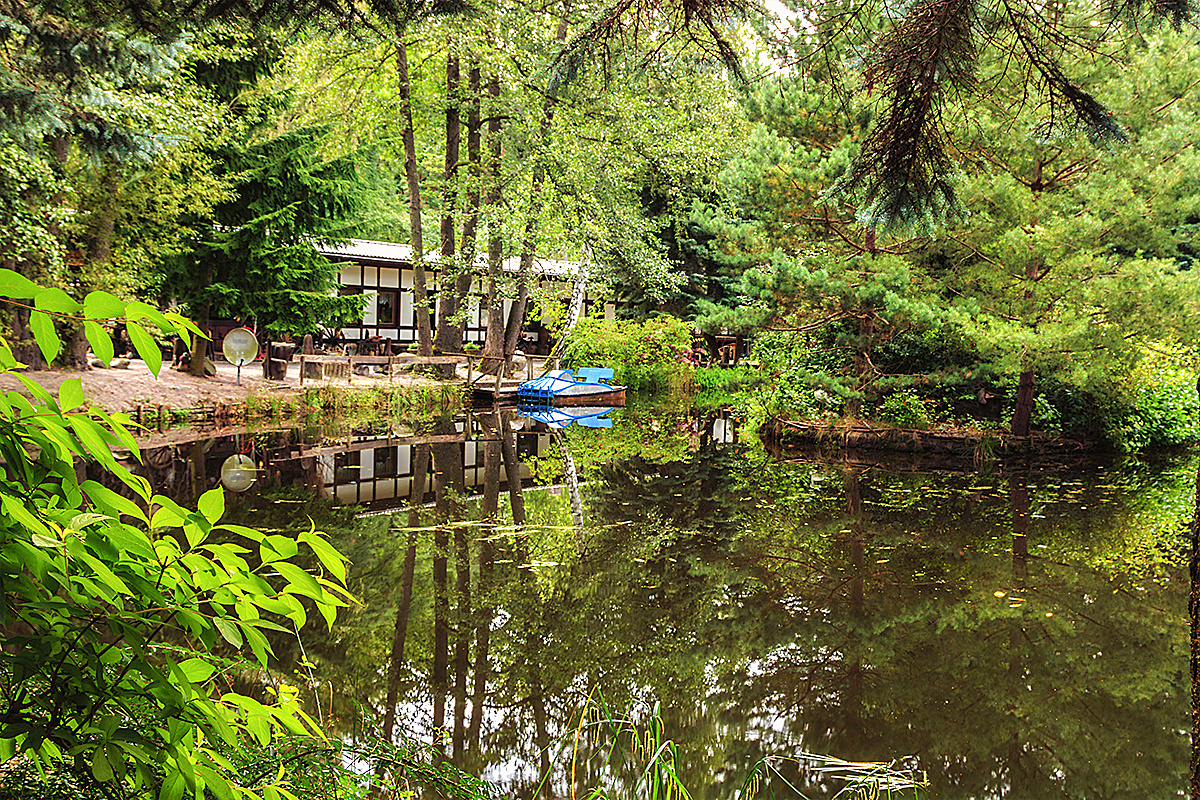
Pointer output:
415, 405
654, 759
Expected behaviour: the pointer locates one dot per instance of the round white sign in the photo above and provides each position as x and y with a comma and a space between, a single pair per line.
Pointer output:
240, 346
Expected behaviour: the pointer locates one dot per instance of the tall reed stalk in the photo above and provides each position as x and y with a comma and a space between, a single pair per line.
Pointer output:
647, 748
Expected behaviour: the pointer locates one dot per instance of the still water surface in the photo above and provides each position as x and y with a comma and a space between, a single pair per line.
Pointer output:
1006, 630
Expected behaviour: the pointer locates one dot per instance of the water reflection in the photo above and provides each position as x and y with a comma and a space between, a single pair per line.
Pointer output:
1013, 632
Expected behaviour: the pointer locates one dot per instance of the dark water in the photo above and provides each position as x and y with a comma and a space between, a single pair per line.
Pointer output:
1005, 630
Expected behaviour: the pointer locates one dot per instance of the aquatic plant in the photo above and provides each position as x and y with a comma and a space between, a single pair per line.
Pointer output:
645, 747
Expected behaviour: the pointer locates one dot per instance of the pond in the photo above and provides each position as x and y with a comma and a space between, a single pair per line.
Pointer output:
998, 629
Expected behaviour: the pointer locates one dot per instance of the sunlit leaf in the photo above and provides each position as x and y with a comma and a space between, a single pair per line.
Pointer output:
146, 347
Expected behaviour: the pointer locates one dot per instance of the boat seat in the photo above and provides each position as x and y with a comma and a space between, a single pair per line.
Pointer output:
595, 374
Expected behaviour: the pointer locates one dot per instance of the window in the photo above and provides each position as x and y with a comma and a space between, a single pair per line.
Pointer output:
346, 468
385, 308
385, 462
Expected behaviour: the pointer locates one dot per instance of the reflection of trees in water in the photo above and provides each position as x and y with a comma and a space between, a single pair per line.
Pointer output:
773, 608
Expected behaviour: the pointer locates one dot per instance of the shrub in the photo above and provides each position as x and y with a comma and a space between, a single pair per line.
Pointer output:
1163, 414
646, 356
906, 410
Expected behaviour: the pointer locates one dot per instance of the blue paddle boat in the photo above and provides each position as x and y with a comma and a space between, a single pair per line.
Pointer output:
562, 388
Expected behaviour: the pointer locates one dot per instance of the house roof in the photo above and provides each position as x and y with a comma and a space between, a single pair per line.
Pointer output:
366, 250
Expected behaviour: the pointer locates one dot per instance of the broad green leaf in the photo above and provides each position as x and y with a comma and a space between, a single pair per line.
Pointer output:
38, 392
70, 394
259, 725
101, 769
117, 424
173, 787
7, 359
132, 540
100, 340
212, 504
229, 631
197, 670
56, 300
330, 558
169, 514
183, 326
92, 437
249, 533
135, 311
105, 575
111, 502
215, 782
258, 644
16, 509
275, 548
300, 582
81, 521
146, 347
42, 540
44, 334
17, 286
102, 305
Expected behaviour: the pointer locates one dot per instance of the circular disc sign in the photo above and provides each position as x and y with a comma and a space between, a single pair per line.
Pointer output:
240, 346
237, 473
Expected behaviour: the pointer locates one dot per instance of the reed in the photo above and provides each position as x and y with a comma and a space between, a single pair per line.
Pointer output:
654, 757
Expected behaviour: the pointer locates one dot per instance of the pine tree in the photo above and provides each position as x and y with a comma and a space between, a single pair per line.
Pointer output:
258, 260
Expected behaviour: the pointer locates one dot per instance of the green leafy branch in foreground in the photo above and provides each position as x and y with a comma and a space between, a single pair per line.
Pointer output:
114, 602
96, 308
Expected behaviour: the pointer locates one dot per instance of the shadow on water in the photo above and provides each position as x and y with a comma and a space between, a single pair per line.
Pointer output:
1011, 630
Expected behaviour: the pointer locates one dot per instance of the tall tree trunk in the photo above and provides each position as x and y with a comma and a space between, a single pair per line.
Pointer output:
862, 365
199, 348
571, 476
412, 179
462, 640
449, 334
470, 223
493, 341
1024, 408
516, 315
855, 672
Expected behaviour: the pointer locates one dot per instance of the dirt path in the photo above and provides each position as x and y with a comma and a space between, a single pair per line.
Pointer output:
124, 389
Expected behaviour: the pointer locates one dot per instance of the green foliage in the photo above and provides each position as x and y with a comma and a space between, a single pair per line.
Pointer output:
26, 186
117, 606
906, 410
1165, 412
257, 260
647, 356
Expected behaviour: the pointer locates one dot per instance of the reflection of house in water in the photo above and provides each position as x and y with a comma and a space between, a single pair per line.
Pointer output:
377, 473
385, 271
363, 469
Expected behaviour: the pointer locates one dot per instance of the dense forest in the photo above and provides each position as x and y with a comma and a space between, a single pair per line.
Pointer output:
1006, 208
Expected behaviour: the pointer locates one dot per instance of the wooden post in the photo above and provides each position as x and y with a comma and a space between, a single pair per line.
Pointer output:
470, 370
302, 369
160, 419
